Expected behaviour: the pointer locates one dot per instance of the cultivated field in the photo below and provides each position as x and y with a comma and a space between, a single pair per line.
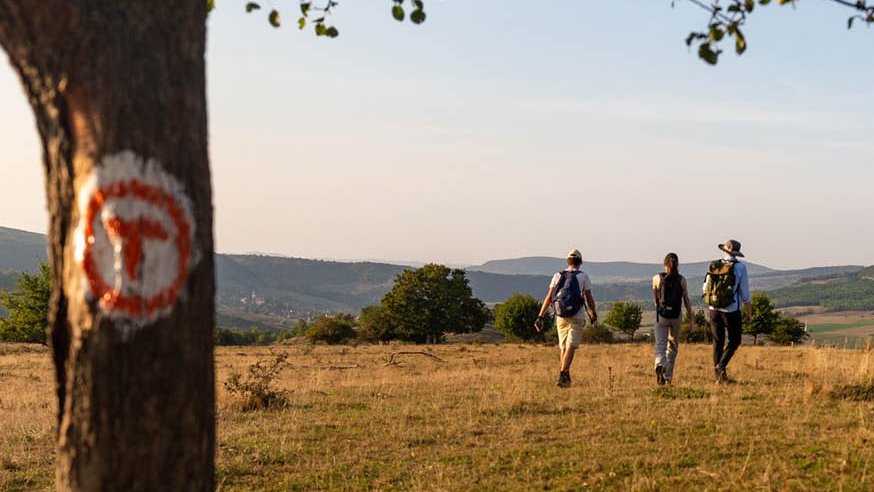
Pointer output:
845, 328
489, 418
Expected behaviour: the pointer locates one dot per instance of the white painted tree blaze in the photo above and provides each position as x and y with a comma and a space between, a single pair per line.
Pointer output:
134, 242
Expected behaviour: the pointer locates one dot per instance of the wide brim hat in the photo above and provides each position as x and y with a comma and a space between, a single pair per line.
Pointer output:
731, 247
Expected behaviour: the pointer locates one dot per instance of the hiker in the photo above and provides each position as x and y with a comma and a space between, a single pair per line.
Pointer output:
726, 290
570, 294
669, 292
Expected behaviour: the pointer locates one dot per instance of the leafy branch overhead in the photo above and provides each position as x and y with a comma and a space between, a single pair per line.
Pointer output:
727, 18
317, 14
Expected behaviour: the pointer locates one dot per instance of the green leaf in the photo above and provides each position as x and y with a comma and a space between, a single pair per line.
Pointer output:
210, 4
301, 23
740, 42
321, 30
417, 16
716, 34
764, 2
274, 18
304, 8
419, 4
707, 54
332, 32
749, 5
252, 6
397, 12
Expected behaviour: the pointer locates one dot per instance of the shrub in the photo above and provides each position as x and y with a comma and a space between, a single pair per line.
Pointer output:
331, 330
701, 335
374, 325
515, 318
597, 333
788, 331
256, 392
28, 307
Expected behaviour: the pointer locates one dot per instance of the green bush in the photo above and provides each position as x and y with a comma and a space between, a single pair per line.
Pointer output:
702, 333
252, 336
515, 318
788, 331
28, 308
374, 325
331, 330
597, 333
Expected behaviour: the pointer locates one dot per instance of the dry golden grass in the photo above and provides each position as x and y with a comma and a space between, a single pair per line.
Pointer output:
490, 418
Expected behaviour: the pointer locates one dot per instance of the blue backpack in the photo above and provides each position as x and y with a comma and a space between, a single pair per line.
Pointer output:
566, 298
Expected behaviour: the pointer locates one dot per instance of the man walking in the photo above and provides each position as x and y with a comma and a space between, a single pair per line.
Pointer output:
726, 290
570, 294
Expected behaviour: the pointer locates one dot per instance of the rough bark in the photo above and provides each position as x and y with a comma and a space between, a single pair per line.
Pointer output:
104, 76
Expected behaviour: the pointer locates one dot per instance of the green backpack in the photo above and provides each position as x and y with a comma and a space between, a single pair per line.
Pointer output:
719, 286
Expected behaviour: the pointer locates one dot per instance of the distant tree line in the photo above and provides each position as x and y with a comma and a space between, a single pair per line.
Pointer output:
423, 306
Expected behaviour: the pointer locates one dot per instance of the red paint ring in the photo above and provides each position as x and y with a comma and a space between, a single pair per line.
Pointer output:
134, 305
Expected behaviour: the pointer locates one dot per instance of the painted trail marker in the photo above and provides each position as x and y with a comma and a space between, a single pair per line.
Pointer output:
135, 238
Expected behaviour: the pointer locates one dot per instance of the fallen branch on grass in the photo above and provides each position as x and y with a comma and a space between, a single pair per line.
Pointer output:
340, 368
393, 362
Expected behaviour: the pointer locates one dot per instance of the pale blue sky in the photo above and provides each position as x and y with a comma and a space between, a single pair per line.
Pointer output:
495, 131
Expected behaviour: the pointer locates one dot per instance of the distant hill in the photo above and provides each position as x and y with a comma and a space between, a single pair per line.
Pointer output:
840, 292
21, 250
612, 271
273, 290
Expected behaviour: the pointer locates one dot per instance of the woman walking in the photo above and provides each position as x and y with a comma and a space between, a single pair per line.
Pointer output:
669, 292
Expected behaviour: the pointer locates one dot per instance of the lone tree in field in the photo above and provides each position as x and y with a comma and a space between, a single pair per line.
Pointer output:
764, 317
625, 317
28, 306
515, 317
425, 304
118, 91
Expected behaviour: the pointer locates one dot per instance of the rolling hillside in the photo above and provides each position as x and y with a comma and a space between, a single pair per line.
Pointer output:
21, 250
252, 287
841, 292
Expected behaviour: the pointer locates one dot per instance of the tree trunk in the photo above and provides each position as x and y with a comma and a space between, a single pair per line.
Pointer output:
118, 91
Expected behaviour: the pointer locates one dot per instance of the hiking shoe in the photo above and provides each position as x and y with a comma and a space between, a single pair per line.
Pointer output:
564, 379
721, 374
660, 374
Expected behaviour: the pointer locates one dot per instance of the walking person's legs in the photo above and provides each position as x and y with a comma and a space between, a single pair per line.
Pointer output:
660, 338
569, 337
672, 345
734, 325
717, 329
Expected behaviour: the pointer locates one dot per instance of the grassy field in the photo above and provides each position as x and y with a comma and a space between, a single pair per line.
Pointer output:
490, 418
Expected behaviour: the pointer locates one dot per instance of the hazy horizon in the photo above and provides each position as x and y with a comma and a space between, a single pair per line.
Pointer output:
474, 136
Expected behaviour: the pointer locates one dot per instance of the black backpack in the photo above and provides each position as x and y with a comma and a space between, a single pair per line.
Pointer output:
566, 297
670, 296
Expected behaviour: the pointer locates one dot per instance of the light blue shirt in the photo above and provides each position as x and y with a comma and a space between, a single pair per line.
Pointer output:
741, 288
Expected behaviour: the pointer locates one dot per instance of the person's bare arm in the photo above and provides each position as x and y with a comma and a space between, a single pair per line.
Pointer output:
547, 301
590, 305
688, 306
